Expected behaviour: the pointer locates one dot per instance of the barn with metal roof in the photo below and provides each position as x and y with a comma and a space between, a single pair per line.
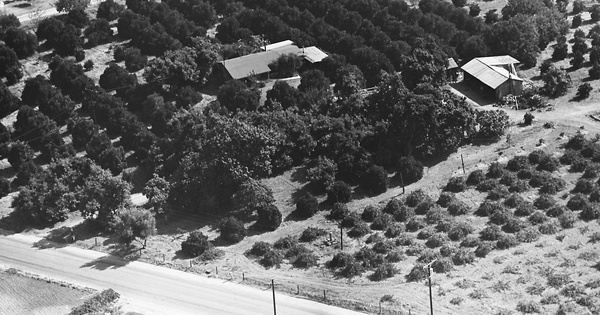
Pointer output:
258, 63
495, 75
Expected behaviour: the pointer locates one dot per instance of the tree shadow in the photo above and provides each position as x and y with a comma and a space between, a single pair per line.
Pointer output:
174, 223
299, 175
57, 238
106, 262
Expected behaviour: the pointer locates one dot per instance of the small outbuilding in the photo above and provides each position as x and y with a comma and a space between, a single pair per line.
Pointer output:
452, 70
494, 75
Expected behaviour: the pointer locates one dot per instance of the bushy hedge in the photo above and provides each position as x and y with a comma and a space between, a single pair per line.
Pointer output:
445, 199
487, 207
424, 206
475, 177
97, 303
394, 230
497, 193
459, 231
457, 207
528, 235
350, 220
442, 265
514, 225
536, 156
435, 215
544, 201
339, 192
506, 241
590, 212
359, 230
307, 206
271, 258
591, 171
448, 250
392, 206
370, 213
549, 228
260, 248
552, 186
491, 232
500, 216
417, 273
286, 242
410, 169
496, 170
524, 209
583, 186
232, 229
339, 211
456, 184
382, 222
404, 214
484, 249
195, 244
519, 186
340, 260
416, 197
549, 164
514, 200
471, 241
375, 180
517, 163
311, 233
569, 156
567, 219
487, 185
414, 224
426, 233
436, 240
463, 256
538, 217
508, 179
577, 202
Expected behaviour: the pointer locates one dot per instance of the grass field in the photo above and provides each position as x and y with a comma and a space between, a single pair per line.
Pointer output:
22, 294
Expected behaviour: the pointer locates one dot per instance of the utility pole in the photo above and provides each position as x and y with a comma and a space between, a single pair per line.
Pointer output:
273, 287
341, 237
428, 266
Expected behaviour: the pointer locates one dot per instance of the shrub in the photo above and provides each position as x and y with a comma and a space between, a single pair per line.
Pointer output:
514, 225
536, 156
445, 199
435, 215
445, 225
519, 186
525, 174
506, 241
370, 213
517, 163
514, 200
573, 291
487, 207
392, 206
384, 271
500, 215
428, 255
552, 186
416, 197
459, 231
395, 256
594, 238
590, 212
595, 195
550, 299
134, 60
528, 235
417, 273
286, 242
549, 228
340, 260
307, 206
491, 232
567, 219
569, 156
382, 222
549, 164
538, 217
232, 229
498, 193
339, 211
577, 202
487, 185
539, 178
404, 214
591, 171
383, 247
458, 207
556, 211
475, 177
306, 259
495, 170
271, 258
442, 265
405, 240
579, 165
339, 192
97, 303
426, 233
456, 184
436, 240
529, 307
463, 256
195, 244
269, 217
375, 180
311, 234
350, 220
470, 241
410, 169
558, 280
484, 249
359, 230
508, 179
414, 224
524, 209
260, 248
415, 249
448, 250
368, 257
394, 230
583, 186
544, 201
424, 206
352, 270
4, 187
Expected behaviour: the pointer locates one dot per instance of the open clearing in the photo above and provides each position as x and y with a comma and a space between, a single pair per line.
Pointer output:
22, 294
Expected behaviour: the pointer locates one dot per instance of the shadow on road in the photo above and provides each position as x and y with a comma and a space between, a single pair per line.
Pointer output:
106, 262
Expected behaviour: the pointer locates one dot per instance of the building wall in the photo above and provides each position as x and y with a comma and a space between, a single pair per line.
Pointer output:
514, 87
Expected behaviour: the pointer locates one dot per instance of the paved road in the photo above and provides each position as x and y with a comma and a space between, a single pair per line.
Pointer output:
149, 289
